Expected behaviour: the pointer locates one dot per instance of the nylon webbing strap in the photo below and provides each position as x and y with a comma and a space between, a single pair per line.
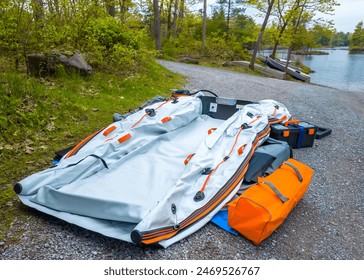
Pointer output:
91, 155
296, 170
300, 136
276, 191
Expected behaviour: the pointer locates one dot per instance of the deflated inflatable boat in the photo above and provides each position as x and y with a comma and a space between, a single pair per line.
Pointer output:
158, 174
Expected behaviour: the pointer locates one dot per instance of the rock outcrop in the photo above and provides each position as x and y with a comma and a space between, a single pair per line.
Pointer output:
41, 65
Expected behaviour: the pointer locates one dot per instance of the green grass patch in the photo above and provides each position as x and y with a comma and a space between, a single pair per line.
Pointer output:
41, 116
303, 67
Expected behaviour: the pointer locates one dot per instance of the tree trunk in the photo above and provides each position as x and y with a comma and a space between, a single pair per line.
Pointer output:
274, 51
175, 15
182, 9
204, 23
181, 15
298, 22
295, 6
162, 19
53, 6
56, 6
257, 43
289, 52
157, 26
110, 8
123, 6
38, 10
169, 18
228, 20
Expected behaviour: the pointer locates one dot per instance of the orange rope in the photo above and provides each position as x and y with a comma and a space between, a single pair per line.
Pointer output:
225, 158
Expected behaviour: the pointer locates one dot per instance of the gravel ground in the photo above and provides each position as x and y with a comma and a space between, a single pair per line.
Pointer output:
327, 224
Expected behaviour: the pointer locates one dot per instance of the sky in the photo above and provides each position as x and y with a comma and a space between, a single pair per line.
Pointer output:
348, 15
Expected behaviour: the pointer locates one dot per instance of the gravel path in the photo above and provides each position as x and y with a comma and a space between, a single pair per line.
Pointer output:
327, 224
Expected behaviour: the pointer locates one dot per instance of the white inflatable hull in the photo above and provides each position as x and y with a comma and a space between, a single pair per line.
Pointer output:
158, 175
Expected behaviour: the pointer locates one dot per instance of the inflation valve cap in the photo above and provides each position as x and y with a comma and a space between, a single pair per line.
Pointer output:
18, 188
136, 236
199, 196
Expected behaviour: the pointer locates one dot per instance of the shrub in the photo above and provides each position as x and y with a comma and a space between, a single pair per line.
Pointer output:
112, 43
123, 57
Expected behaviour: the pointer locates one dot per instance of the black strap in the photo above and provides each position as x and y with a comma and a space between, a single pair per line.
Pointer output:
60, 154
204, 90
276, 191
91, 155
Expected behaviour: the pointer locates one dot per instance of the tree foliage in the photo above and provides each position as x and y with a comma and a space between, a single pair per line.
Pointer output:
228, 34
269, 6
29, 26
121, 33
125, 33
340, 39
357, 38
296, 23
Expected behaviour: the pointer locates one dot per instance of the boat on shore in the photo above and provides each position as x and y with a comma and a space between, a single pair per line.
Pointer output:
294, 72
159, 173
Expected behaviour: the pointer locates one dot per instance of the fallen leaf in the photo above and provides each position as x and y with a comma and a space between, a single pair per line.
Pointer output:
50, 126
29, 150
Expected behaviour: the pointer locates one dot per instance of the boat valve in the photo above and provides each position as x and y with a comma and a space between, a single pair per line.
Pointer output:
245, 126
199, 196
150, 112
174, 208
207, 171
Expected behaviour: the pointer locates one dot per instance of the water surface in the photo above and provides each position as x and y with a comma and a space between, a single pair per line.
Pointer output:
339, 69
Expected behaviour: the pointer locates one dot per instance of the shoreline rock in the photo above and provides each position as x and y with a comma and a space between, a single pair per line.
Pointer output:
42, 65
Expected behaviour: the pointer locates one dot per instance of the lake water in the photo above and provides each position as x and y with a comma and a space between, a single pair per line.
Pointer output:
339, 69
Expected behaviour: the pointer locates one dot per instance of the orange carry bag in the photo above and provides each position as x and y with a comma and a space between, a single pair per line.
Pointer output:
264, 206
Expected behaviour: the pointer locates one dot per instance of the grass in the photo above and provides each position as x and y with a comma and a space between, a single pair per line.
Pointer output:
41, 116
303, 67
